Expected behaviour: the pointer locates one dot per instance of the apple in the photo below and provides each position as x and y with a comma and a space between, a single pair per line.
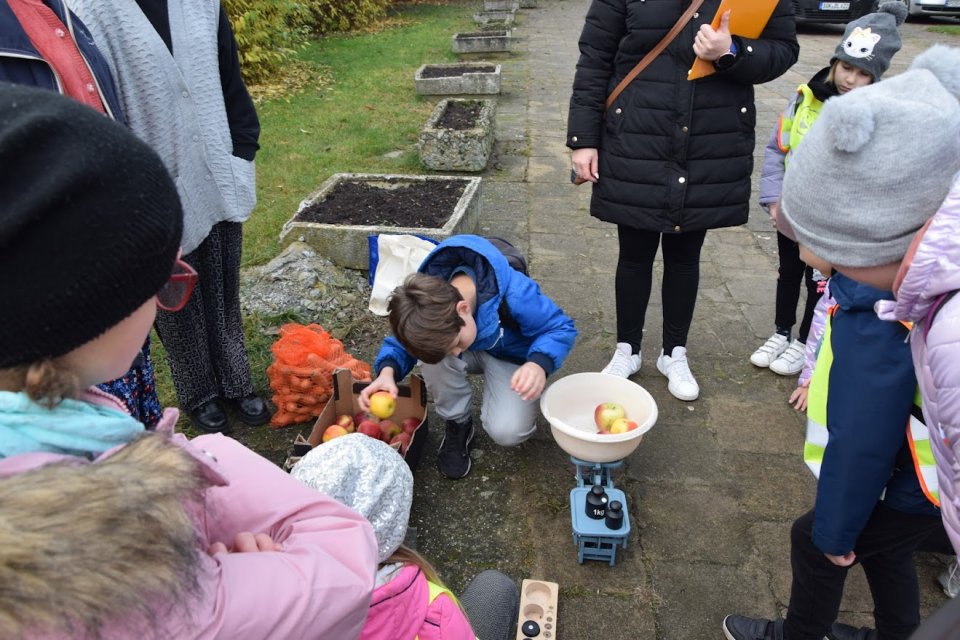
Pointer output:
382, 404
333, 431
403, 439
622, 425
345, 421
360, 417
389, 429
409, 425
606, 413
369, 428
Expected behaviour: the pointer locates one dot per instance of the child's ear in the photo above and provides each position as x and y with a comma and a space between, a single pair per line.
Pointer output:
463, 307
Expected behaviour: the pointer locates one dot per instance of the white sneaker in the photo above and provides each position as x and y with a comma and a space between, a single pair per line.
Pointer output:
769, 350
682, 384
624, 363
790, 362
949, 579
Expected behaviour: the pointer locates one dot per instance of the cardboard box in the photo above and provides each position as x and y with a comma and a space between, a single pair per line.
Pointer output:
411, 402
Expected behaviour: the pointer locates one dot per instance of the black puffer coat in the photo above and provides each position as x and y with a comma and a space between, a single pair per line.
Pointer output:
675, 155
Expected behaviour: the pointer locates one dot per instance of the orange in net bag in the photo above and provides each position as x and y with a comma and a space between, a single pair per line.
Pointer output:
301, 376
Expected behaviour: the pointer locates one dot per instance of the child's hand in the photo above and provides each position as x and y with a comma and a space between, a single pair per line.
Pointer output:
384, 382
246, 542
528, 381
773, 209
845, 560
799, 396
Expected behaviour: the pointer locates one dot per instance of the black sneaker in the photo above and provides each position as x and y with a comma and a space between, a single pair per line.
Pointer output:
841, 631
210, 417
453, 457
741, 628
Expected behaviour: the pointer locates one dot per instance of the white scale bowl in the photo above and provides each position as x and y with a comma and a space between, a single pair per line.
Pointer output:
568, 405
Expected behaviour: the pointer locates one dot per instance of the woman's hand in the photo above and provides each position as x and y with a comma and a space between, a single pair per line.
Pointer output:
710, 44
384, 382
585, 163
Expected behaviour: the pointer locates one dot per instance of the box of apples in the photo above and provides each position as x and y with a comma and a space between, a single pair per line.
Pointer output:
401, 423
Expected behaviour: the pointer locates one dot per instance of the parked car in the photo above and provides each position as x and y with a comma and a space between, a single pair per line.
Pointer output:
918, 8
840, 12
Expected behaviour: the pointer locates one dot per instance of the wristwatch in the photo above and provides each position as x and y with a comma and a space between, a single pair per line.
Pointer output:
726, 60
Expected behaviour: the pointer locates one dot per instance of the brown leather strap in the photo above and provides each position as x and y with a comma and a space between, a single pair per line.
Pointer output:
653, 53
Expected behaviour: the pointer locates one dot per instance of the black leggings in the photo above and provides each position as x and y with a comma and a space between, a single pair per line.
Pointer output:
791, 271
681, 278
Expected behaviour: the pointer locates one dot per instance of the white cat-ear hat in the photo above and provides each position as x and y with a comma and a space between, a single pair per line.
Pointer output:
870, 42
877, 164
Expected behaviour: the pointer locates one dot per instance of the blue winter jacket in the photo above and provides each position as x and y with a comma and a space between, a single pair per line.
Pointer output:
21, 63
871, 390
539, 331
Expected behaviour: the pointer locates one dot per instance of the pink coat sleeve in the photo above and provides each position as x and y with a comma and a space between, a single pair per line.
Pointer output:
319, 586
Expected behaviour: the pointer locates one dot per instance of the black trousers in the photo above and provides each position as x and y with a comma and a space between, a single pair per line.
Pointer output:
885, 550
204, 340
791, 272
681, 278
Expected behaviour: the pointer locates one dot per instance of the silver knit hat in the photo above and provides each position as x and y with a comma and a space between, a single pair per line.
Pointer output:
368, 476
877, 163
870, 42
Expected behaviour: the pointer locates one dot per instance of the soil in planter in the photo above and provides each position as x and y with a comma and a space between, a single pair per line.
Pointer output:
459, 115
428, 204
459, 70
482, 34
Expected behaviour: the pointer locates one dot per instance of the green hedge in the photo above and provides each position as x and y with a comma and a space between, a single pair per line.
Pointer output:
269, 31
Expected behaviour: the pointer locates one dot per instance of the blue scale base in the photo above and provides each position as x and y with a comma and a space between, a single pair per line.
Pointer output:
593, 539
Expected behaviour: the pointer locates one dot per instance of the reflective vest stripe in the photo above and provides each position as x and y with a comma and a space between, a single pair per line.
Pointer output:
918, 436
791, 129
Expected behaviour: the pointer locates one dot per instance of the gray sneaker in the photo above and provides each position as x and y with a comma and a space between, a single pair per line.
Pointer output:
743, 628
949, 580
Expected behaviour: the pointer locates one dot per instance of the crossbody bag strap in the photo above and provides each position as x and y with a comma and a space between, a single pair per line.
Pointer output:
653, 53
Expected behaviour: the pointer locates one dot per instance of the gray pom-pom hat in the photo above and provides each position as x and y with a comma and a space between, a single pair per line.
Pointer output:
877, 164
870, 42
368, 476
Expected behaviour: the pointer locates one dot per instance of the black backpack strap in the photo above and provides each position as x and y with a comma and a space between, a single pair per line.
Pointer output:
941, 300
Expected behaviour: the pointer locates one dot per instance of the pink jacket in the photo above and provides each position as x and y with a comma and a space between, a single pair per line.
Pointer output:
318, 586
930, 270
401, 610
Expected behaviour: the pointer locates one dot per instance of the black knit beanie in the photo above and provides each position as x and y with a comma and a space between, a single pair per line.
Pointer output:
90, 224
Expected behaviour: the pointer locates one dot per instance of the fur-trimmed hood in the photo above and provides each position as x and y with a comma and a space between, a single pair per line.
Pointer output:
84, 544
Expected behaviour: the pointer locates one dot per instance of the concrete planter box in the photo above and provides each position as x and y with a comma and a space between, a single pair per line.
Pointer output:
528, 4
348, 245
483, 41
445, 149
501, 5
503, 19
480, 80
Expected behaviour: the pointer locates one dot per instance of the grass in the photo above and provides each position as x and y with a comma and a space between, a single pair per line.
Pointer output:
359, 105
953, 30
365, 107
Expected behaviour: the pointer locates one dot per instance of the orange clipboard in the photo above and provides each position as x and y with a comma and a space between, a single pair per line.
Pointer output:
747, 19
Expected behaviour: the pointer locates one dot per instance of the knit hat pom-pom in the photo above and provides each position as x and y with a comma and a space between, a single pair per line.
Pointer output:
851, 125
944, 63
897, 9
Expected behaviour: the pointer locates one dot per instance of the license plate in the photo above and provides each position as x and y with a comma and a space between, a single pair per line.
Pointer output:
834, 6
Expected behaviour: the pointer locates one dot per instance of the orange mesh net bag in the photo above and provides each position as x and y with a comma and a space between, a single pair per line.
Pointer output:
301, 376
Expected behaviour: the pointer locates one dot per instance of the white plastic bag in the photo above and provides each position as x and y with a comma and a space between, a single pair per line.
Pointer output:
400, 255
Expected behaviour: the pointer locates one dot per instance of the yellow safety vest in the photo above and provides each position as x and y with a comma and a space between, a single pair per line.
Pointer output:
436, 591
792, 129
918, 436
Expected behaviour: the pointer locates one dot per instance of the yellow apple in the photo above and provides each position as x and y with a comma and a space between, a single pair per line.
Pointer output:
382, 404
622, 425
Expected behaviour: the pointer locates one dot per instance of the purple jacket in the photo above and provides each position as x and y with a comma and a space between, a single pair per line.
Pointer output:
930, 271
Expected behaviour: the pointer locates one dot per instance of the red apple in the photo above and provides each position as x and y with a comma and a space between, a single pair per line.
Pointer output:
333, 431
346, 422
622, 425
382, 404
389, 429
403, 439
360, 417
369, 428
409, 425
606, 413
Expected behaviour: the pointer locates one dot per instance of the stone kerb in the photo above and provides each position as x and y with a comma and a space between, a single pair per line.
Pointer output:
501, 5
483, 41
444, 149
475, 79
348, 245
501, 18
